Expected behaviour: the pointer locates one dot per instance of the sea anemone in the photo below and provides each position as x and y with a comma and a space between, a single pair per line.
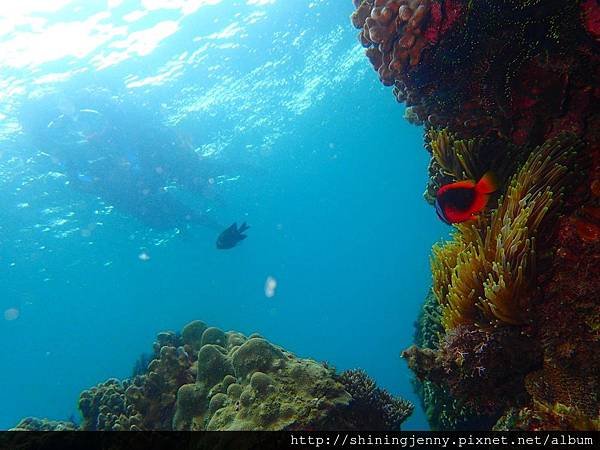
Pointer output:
482, 275
457, 158
454, 159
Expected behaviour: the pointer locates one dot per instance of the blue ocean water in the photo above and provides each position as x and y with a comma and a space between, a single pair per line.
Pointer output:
130, 131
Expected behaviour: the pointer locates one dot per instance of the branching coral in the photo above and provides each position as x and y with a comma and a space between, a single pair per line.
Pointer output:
483, 275
380, 410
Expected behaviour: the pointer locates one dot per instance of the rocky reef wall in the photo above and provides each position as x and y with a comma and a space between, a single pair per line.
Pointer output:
509, 336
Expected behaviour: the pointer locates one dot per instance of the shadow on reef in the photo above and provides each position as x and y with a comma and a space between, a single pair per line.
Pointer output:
508, 338
207, 379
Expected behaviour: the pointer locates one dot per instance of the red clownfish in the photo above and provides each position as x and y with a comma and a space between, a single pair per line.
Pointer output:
463, 200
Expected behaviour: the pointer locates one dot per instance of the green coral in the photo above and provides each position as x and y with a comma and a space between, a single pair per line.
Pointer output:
192, 334
247, 383
256, 386
214, 336
208, 379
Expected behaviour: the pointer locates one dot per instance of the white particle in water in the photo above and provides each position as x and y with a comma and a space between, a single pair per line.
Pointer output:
11, 314
270, 286
144, 256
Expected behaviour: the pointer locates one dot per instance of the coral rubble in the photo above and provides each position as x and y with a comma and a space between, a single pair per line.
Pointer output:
509, 86
208, 379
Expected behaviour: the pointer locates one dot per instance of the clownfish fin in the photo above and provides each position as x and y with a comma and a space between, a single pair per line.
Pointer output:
487, 183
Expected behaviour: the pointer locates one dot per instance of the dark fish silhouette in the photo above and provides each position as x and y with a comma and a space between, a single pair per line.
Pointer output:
231, 236
464, 200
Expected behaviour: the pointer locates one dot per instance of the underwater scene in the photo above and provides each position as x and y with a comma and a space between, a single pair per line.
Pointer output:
300, 215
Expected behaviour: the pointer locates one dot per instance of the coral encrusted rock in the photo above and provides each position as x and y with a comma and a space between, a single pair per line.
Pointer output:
35, 424
510, 87
251, 384
209, 379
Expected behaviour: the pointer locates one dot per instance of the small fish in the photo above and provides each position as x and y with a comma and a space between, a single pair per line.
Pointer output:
231, 236
463, 200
